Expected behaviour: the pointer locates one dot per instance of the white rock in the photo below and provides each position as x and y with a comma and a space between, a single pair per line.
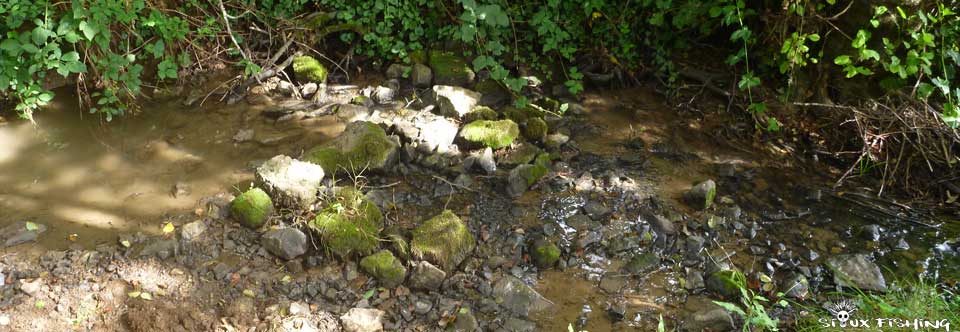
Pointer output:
362, 320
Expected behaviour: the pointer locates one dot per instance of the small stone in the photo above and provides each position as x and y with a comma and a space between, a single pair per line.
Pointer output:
385, 268
454, 101
555, 140
518, 297
426, 276
396, 71
870, 232
286, 243
243, 135
292, 183
31, 287
726, 283
307, 90
715, 320
180, 189
796, 287
701, 195
192, 230
252, 208
465, 321
421, 76
362, 320
545, 254
642, 263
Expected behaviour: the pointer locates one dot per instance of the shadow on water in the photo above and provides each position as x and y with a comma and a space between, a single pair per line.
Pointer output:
79, 175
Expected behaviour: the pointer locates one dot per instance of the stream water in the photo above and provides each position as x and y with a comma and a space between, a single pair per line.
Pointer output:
78, 175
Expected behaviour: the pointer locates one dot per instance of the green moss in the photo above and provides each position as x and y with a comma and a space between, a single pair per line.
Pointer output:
386, 268
442, 240
493, 134
308, 68
521, 115
367, 147
532, 173
449, 69
349, 225
252, 208
535, 129
418, 56
360, 100
522, 154
545, 254
480, 113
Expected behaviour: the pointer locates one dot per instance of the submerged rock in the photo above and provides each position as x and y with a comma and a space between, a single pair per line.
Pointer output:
252, 208
701, 195
492, 134
518, 297
349, 226
856, 271
21, 232
362, 320
286, 243
715, 320
361, 146
306, 68
387, 269
443, 240
796, 287
292, 183
642, 263
454, 101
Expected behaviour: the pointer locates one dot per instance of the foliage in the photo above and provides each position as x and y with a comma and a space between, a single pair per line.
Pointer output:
907, 299
754, 312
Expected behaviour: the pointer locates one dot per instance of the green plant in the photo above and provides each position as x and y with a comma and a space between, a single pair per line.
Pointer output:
907, 299
754, 312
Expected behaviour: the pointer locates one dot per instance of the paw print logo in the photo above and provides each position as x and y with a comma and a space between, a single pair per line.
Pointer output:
842, 310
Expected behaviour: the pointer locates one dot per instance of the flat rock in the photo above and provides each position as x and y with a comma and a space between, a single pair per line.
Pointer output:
518, 297
856, 271
286, 243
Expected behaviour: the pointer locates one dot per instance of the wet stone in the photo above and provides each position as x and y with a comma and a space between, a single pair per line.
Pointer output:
612, 282
642, 263
518, 297
796, 286
870, 232
856, 271
716, 319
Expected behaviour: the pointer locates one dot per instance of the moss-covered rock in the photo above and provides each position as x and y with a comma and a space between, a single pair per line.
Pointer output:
522, 177
349, 225
443, 240
523, 153
521, 115
480, 113
701, 195
726, 283
450, 69
545, 254
535, 129
387, 269
362, 146
306, 68
252, 208
492, 134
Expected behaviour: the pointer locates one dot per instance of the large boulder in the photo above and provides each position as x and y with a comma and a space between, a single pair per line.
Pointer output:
856, 271
518, 297
350, 225
492, 134
252, 208
384, 267
454, 101
292, 183
286, 243
362, 320
450, 69
308, 69
443, 240
362, 146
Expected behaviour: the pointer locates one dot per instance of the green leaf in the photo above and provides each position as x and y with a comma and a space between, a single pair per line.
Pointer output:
89, 31
70, 56
10, 45
842, 60
31, 226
